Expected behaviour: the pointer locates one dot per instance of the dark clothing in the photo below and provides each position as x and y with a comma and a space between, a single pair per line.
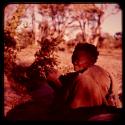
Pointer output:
37, 109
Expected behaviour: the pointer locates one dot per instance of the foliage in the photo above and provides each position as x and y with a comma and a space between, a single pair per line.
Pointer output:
10, 46
109, 41
89, 18
59, 18
13, 23
24, 39
51, 36
45, 58
9, 41
9, 53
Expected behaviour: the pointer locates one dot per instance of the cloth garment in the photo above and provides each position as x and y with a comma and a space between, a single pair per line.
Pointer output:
92, 87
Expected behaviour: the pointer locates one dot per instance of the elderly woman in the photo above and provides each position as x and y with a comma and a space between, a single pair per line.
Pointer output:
89, 86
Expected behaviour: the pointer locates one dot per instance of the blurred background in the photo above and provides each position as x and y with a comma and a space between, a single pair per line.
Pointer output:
45, 35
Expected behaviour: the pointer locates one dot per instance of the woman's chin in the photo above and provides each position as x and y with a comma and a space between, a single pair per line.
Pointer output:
78, 69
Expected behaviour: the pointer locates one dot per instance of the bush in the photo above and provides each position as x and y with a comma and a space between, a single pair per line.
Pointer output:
9, 53
24, 39
9, 42
108, 41
45, 58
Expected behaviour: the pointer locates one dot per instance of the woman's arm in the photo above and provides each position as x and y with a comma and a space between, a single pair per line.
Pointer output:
53, 78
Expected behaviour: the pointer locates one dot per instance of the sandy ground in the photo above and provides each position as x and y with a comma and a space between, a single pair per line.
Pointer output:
111, 60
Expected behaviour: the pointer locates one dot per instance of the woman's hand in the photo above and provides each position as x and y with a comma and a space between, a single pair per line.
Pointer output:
53, 76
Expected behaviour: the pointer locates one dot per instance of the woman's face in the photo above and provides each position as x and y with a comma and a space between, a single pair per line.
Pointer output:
82, 61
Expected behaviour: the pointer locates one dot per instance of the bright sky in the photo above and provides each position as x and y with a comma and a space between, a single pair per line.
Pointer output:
113, 23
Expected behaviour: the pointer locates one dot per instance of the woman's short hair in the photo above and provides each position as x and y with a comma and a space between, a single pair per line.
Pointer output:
89, 49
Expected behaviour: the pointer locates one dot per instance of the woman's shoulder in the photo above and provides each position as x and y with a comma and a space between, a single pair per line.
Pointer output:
96, 69
95, 73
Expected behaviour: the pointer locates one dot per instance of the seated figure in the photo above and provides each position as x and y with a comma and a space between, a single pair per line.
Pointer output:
88, 86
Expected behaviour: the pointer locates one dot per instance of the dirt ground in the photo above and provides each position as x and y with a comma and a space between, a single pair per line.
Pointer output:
111, 60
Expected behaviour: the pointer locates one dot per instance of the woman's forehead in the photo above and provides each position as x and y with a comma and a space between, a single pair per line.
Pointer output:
82, 56
82, 53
